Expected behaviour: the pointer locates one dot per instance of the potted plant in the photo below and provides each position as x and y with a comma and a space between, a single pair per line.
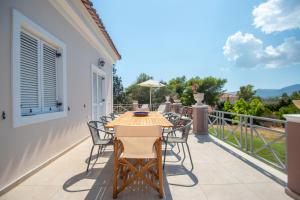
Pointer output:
199, 97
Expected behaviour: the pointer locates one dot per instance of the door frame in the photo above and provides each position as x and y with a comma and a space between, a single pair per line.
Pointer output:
95, 68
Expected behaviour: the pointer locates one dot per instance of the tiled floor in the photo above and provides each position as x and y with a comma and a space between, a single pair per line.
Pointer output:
217, 175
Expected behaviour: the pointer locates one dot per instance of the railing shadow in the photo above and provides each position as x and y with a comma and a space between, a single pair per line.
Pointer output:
203, 138
253, 165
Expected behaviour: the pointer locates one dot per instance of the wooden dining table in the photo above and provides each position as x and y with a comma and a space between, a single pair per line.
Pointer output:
129, 119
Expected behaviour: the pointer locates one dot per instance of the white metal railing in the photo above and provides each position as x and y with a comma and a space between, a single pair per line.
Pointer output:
263, 138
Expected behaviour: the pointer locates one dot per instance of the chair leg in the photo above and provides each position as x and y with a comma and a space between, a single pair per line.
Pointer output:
178, 148
115, 172
87, 169
165, 153
188, 148
160, 170
183, 154
98, 153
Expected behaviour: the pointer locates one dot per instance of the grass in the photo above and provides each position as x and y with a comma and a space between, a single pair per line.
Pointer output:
278, 147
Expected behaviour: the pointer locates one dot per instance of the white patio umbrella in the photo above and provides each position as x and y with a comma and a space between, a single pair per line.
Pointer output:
151, 84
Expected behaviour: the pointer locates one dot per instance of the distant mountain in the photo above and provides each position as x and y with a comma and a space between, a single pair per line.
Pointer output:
267, 93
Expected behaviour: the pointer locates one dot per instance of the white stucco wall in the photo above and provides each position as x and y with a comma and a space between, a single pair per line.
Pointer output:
24, 148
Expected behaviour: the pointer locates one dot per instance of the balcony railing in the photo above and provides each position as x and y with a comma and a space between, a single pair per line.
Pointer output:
263, 138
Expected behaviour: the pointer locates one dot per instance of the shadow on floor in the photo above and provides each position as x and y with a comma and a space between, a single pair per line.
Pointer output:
102, 186
203, 138
179, 170
105, 153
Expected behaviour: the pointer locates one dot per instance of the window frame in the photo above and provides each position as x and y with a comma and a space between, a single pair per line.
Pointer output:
19, 23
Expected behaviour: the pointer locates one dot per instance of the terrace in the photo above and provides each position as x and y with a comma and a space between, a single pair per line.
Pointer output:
221, 171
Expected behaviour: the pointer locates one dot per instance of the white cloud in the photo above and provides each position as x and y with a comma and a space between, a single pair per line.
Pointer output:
247, 51
277, 15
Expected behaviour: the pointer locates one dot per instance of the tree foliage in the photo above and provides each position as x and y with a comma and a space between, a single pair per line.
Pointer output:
246, 92
254, 107
118, 89
138, 93
211, 87
142, 94
177, 85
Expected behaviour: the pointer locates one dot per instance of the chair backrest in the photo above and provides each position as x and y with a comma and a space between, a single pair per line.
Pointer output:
99, 132
112, 116
104, 119
144, 106
186, 112
161, 108
174, 118
93, 126
138, 141
184, 127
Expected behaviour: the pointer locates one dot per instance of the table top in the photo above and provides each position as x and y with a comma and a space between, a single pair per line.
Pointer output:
128, 119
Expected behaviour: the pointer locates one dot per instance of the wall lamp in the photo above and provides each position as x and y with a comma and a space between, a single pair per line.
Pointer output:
101, 62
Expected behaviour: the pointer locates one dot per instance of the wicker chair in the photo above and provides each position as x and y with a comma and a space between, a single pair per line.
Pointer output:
101, 137
179, 135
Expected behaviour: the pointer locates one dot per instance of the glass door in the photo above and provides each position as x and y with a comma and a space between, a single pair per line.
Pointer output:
98, 102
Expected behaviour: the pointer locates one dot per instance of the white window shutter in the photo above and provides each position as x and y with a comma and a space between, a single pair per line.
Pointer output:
29, 74
49, 78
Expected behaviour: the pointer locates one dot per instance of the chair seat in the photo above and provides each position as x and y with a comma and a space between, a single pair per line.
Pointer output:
185, 117
153, 154
104, 141
175, 140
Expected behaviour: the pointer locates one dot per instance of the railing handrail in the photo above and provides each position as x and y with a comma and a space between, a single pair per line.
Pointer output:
252, 116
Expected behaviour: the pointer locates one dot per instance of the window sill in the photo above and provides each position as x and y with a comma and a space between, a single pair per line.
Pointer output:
32, 119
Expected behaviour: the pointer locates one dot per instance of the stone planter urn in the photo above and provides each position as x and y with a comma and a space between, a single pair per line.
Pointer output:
135, 105
167, 98
297, 103
199, 97
176, 100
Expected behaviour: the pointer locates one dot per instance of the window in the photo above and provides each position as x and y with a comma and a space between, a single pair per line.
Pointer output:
39, 74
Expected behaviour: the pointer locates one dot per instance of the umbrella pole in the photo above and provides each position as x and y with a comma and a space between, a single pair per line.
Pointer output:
150, 98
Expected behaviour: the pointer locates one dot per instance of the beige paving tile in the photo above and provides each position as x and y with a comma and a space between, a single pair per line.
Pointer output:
213, 173
217, 175
268, 191
245, 173
228, 192
194, 192
31, 193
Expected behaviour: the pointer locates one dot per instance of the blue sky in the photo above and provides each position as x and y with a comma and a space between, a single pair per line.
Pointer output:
169, 38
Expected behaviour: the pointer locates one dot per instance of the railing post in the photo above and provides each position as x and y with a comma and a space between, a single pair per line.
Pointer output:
200, 122
168, 106
246, 134
251, 135
222, 125
293, 152
219, 124
176, 107
241, 132
135, 105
